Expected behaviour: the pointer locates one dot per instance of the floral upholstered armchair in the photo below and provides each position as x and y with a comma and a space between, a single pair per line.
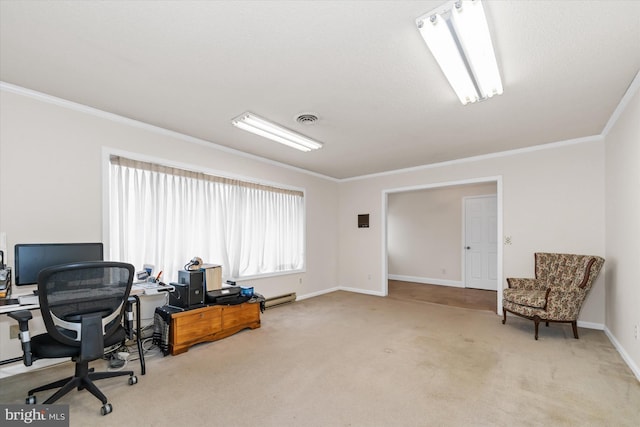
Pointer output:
558, 291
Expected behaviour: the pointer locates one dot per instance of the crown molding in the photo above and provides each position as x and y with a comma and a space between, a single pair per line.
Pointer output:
159, 130
622, 105
8, 87
551, 145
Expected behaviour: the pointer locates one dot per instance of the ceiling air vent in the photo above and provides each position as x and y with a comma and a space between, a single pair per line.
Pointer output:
306, 118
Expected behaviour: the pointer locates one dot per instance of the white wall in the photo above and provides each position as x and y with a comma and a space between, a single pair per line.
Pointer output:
622, 150
553, 200
51, 185
424, 229
51, 182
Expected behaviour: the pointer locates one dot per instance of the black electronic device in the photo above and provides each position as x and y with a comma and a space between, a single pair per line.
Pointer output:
218, 295
184, 297
30, 258
189, 289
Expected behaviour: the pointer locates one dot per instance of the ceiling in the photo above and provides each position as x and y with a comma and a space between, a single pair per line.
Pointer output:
361, 66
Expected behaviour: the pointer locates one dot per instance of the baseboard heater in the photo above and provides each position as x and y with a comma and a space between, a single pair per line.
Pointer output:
279, 300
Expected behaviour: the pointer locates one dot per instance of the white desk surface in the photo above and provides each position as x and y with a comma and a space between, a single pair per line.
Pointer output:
15, 293
148, 288
141, 288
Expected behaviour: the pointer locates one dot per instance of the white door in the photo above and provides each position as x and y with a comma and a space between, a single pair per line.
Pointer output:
481, 242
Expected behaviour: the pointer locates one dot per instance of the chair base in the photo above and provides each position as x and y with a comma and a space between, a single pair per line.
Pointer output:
538, 319
83, 379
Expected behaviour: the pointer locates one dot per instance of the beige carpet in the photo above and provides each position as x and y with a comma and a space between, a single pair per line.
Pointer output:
346, 359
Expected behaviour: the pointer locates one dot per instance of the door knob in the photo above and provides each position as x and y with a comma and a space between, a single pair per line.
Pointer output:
467, 247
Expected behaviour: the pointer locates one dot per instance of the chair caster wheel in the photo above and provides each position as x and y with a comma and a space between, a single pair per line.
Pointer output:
30, 400
133, 380
106, 409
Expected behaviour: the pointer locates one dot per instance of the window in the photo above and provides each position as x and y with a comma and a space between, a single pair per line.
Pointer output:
165, 216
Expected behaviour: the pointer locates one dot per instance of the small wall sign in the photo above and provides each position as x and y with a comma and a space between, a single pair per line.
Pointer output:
363, 221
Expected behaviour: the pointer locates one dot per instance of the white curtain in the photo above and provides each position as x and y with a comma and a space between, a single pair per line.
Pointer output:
166, 216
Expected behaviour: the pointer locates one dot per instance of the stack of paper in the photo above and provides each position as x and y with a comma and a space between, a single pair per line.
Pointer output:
5, 282
212, 276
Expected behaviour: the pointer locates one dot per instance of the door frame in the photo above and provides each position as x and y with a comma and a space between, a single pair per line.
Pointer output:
384, 286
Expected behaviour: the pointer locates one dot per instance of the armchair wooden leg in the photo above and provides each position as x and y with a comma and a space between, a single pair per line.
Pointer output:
536, 320
574, 325
504, 316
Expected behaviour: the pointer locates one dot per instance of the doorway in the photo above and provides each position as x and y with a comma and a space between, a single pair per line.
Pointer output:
480, 242
432, 278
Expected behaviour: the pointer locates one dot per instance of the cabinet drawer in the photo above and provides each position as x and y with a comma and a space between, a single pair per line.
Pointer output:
243, 314
192, 325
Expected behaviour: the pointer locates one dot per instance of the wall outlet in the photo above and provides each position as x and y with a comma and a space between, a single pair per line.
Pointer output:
635, 332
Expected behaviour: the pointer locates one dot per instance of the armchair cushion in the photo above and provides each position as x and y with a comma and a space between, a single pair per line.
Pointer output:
523, 310
529, 298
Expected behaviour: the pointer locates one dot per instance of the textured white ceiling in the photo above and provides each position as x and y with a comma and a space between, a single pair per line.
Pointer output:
383, 103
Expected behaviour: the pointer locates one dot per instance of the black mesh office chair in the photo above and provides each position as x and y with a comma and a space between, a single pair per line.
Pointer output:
82, 306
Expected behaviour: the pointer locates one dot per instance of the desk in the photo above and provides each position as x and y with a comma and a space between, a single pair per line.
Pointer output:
148, 288
136, 290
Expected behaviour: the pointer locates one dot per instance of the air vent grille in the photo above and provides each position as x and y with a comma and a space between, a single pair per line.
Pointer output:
306, 118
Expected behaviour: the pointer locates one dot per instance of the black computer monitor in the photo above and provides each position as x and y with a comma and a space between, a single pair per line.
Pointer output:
30, 258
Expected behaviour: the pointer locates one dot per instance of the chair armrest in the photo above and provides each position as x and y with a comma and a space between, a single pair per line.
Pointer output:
23, 317
526, 284
564, 303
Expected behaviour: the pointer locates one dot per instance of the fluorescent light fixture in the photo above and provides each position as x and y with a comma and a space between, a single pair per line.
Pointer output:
255, 124
458, 36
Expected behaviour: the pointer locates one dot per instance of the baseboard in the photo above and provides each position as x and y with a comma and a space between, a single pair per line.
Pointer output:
361, 291
20, 368
316, 294
427, 281
630, 363
581, 324
591, 325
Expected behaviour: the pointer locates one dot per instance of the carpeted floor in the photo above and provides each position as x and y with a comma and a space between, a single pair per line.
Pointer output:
346, 359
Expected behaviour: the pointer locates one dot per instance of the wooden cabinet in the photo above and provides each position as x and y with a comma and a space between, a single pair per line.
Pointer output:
210, 324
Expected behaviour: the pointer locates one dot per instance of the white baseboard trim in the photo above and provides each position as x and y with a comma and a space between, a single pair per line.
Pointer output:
625, 356
581, 324
18, 367
361, 291
591, 325
426, 280
316, 294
